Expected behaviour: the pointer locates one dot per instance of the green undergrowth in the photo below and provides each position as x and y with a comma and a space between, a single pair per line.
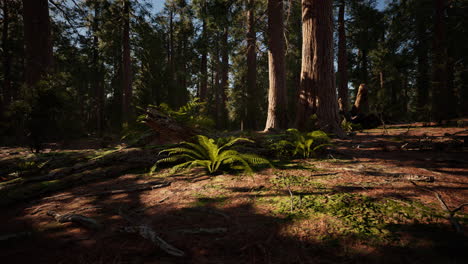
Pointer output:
354, 214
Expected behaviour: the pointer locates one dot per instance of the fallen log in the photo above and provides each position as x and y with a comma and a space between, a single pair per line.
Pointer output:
75, 218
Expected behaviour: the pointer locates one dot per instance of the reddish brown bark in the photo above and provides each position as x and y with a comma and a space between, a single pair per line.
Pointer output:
323, 71
306, 104
277, 101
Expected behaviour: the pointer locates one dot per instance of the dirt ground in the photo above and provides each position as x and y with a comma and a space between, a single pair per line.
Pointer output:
237, 218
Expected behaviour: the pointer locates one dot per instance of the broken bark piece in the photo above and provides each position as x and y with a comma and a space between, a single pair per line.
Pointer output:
75, 218
148, 233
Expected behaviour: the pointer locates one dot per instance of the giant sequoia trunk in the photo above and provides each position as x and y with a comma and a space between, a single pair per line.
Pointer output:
38, 41
323, 71
126, 65
306, 104
343, 98
252, 94
277, 100
439, 64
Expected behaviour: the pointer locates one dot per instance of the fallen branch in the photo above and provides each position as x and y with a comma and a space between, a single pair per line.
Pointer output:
75, 218
453, 220
148, 233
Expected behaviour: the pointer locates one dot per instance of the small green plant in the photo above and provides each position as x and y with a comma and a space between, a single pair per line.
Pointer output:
349, 126
306, 144
211, 154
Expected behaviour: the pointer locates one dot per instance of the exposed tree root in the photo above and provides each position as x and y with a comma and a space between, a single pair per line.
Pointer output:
147, 232
75, 218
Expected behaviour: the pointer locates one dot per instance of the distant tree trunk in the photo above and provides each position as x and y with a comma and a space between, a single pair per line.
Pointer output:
6, 91
343, 98
422, 68
224, 75
204, 65
38, 41
171, 93
98, 82
364, 66
361, 105
306, 104
439, 65
250, 120
217, 86
277, 96
126, 66
323, 70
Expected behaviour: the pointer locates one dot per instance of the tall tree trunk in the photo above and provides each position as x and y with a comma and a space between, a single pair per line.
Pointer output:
126, 65
323, 71
422, 68
361, 104
98, 82
224, 75
171, 93
364, 66
343, 98
277, 96
217, 86
38, 41
439, 65
252, 94
307, 99
204, 65
6, 90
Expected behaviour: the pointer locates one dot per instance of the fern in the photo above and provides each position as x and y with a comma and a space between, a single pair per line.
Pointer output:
306, 144
213, 155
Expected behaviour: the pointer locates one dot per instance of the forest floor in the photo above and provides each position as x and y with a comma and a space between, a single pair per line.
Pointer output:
373, 200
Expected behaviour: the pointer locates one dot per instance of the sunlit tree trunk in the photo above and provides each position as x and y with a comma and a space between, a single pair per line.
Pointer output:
306, 104
323, 70
277, 96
